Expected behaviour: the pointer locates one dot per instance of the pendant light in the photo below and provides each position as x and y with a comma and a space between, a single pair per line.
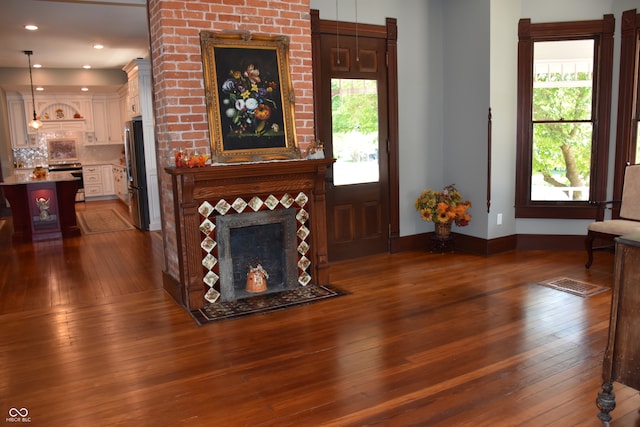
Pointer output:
35, 123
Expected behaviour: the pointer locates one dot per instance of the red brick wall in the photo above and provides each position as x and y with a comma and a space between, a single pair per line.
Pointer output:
179, 104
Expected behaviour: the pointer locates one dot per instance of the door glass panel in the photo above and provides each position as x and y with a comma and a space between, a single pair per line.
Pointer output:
354, 117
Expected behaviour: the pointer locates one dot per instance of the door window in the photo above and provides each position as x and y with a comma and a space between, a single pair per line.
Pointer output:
354, 112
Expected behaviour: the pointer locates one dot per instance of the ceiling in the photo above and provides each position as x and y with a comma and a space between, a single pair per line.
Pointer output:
68, 29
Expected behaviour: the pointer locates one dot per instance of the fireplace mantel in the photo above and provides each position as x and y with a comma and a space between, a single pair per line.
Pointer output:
244, 181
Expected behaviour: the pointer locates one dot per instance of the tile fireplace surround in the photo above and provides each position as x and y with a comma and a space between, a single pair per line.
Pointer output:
202, 194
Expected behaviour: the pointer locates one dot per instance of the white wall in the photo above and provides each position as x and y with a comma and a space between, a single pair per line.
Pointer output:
466, 105
503, 86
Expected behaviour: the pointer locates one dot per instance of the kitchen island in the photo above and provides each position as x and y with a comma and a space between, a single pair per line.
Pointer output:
42, 208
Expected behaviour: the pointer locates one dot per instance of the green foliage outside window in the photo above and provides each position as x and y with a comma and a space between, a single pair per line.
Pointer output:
562, 131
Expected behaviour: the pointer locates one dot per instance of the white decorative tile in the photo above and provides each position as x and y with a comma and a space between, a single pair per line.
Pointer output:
302, 199
239, 205
304, 262
209, 262
271, 202
303, 232
303, 248
302, 216
212, 295
304, 279
210, 279
207, 227
255, 203
287, 200
205, 209
208, 244
222, 206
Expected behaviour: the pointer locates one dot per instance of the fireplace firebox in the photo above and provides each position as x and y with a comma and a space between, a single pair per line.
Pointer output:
248, 240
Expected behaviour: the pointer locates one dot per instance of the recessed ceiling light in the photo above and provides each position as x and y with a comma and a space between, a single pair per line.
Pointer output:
40, 88
86, 67
31, 27
85, 89
98, 46
37, 65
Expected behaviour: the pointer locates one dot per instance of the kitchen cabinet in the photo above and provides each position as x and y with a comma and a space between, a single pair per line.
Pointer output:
42, 209
107, 180
107, 122
622, 353
61, 112
120, 183
98, 181
134, 95
20, 138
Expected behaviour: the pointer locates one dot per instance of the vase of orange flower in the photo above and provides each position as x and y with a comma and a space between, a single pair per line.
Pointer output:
443, 208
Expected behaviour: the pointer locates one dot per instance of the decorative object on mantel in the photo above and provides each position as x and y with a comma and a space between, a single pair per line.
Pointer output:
186, 159
250, 103
443, 208
316, 151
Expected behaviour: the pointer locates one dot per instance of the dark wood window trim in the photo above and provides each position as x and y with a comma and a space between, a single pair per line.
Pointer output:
628, 102
601, 31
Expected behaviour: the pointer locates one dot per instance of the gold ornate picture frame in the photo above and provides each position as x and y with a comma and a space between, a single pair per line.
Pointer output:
250, 105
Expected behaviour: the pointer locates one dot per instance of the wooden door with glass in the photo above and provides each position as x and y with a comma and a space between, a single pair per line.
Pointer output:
351, 89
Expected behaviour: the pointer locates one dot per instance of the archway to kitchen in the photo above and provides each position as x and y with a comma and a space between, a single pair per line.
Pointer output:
84, 111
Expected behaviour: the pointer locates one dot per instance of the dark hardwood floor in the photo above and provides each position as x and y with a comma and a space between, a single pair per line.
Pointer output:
88, 337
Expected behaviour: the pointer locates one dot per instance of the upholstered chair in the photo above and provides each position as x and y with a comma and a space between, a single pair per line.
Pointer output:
628, 222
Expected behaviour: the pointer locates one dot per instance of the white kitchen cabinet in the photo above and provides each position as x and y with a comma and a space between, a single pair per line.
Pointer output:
20, 138
133, 97
120, 183
98, 181
107, 121
92, 179
61, 112
107, 181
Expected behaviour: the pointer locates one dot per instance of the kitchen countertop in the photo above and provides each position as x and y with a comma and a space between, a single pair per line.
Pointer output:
23, 178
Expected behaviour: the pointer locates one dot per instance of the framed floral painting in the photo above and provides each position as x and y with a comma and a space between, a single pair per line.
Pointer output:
249, 97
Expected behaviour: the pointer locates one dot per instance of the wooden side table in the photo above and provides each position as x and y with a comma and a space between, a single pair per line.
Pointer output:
622, 354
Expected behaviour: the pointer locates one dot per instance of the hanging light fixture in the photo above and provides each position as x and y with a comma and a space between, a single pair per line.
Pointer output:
35, 123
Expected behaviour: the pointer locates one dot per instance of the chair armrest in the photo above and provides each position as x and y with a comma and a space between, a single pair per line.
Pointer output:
602, 205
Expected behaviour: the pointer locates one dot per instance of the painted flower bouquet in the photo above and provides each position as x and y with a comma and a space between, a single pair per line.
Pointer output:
441, 207
250, 102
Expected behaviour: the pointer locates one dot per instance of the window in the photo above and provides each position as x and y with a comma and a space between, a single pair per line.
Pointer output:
564, 93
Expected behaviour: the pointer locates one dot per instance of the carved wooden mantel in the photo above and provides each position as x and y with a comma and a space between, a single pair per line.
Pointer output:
192, 187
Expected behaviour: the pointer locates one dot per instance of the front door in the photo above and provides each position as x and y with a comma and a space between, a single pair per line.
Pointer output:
353, 104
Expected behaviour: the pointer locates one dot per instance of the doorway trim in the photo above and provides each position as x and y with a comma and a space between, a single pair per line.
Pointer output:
389, 32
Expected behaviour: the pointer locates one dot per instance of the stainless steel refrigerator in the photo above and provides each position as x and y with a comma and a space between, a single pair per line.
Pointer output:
136, 174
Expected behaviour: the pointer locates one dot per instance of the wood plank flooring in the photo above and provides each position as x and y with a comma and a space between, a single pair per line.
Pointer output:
88, 337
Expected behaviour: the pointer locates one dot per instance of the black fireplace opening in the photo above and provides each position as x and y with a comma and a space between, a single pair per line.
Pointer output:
248, 240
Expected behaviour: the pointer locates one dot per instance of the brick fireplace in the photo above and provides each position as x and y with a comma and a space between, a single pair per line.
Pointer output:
231, 217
